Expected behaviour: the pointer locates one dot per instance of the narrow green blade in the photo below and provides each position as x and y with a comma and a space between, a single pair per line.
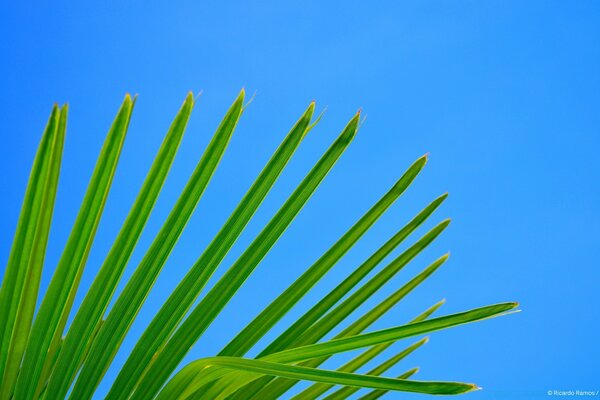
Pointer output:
180, 301
22, 277
55, 307
389, 335
280, 306
127, 305
259, 367
98, 297
209, 307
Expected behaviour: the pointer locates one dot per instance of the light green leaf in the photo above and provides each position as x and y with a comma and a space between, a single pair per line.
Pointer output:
258, 367
22, 277
391, 334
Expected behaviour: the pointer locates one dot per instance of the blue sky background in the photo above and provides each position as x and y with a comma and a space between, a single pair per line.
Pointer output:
503, 94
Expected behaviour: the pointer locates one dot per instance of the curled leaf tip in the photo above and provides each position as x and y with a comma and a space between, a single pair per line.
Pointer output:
241, 98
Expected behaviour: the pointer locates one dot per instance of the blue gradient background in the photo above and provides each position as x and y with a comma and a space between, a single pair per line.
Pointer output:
503, 94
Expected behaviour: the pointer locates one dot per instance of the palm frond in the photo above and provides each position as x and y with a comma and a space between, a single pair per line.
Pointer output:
41, 359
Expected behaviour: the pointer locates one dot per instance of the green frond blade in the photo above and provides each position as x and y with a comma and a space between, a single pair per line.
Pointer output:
129, 302
260, 367
388, 335
20, 286
55, 307
282, 304
180, 301
209, 307
96, 301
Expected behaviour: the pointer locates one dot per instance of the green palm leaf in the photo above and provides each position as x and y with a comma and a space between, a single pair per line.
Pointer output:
37, 362
22, 278
224, 363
